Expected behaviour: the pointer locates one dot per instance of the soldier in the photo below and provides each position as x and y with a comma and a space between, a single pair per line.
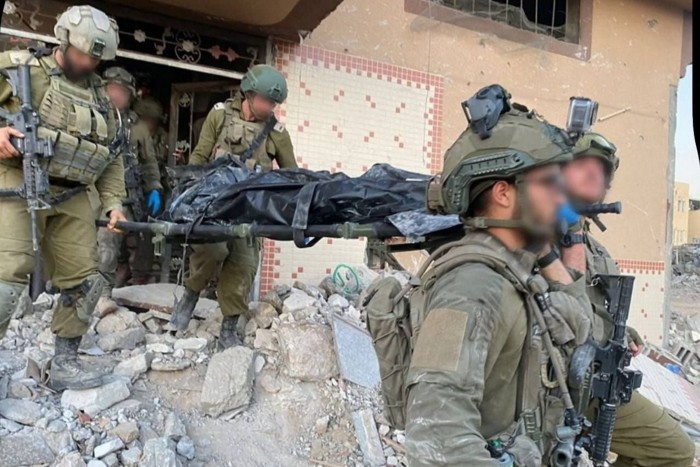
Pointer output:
134, 253
244, 126
77, 116
475, 385
150, 113
645, 435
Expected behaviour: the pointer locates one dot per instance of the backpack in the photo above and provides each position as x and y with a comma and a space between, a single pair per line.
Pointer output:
395, 314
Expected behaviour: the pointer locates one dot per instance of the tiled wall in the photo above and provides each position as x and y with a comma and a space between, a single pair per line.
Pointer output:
647, 310
345, 114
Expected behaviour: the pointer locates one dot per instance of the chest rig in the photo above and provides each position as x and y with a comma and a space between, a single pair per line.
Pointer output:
237, 135
74, 118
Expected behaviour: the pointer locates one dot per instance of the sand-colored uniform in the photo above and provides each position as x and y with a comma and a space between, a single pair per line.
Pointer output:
645, 435
476, 366
80, 122
138, 154
224, 131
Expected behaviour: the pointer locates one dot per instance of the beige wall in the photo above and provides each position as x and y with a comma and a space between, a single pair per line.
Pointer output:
635, 58
681, 209
694, 227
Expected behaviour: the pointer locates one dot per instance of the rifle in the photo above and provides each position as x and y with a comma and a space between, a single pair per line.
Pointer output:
133, 182
36, 181
612, 384
592, 210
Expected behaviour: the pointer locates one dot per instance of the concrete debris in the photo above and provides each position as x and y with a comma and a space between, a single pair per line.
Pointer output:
72, 459
266, 340
368, 437
174, 428
27, 447
262, 313
194, 344
228, 384
120, 320
93, 401
134, 366
296, 301
108, 447
158, 453
127, 432
161, 297
128, 339
356, 356
131, 457
20, 411
96, 463
307, 350
185, 447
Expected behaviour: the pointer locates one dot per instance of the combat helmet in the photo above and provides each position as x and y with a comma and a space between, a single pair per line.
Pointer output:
596, 145
89, 30
518, 141
266, 81
119, 75
148, 107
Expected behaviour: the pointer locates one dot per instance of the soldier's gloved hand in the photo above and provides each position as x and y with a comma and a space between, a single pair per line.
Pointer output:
154, 202
568, 218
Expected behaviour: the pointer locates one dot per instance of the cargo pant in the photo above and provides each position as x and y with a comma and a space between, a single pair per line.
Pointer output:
134, 249
68, 245
236, 262
646, 435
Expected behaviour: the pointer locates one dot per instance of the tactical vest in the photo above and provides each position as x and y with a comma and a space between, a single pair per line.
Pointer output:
395, 316
238, 134
75, 119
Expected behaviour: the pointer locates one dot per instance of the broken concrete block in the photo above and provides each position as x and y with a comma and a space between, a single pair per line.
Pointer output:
185, 447
120, 320
134, 366
263, 313
266, 339
96, 463
161, 297
368, 437
111, 460
72, 459
131, 457
273, 299
307, 351
20, 411
34, 449
108, 447
195, 344
128, 339
157, 453
159, 347
174, 428
158, 364
93, 401
127, 432
338, 300
228, 384
296, 301
357, 358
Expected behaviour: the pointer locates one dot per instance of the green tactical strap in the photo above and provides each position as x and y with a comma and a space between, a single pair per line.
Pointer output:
262, 136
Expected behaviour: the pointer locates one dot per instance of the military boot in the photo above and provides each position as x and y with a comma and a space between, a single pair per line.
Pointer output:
229, 335
66, 370
184, 308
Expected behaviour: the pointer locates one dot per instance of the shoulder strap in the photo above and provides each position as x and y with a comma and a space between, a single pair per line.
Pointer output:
262, 136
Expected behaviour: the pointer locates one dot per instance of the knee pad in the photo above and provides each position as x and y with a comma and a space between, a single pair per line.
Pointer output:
10, 294
84, 297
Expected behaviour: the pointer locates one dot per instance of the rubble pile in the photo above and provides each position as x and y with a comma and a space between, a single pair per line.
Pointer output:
302, 390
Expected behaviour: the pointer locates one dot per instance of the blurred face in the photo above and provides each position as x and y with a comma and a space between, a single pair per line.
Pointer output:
261, 107
119, 95
585, 179
544, 189
77, 65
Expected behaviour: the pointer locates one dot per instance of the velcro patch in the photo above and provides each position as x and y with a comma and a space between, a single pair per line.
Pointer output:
440, 342
279, 126
219, 106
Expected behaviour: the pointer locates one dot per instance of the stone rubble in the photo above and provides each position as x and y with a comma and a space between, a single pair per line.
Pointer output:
168, 390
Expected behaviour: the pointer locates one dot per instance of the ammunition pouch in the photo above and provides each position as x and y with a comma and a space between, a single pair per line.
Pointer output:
75, 159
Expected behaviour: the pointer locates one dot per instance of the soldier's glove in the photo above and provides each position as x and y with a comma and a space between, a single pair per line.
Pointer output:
154, 202
569, 219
